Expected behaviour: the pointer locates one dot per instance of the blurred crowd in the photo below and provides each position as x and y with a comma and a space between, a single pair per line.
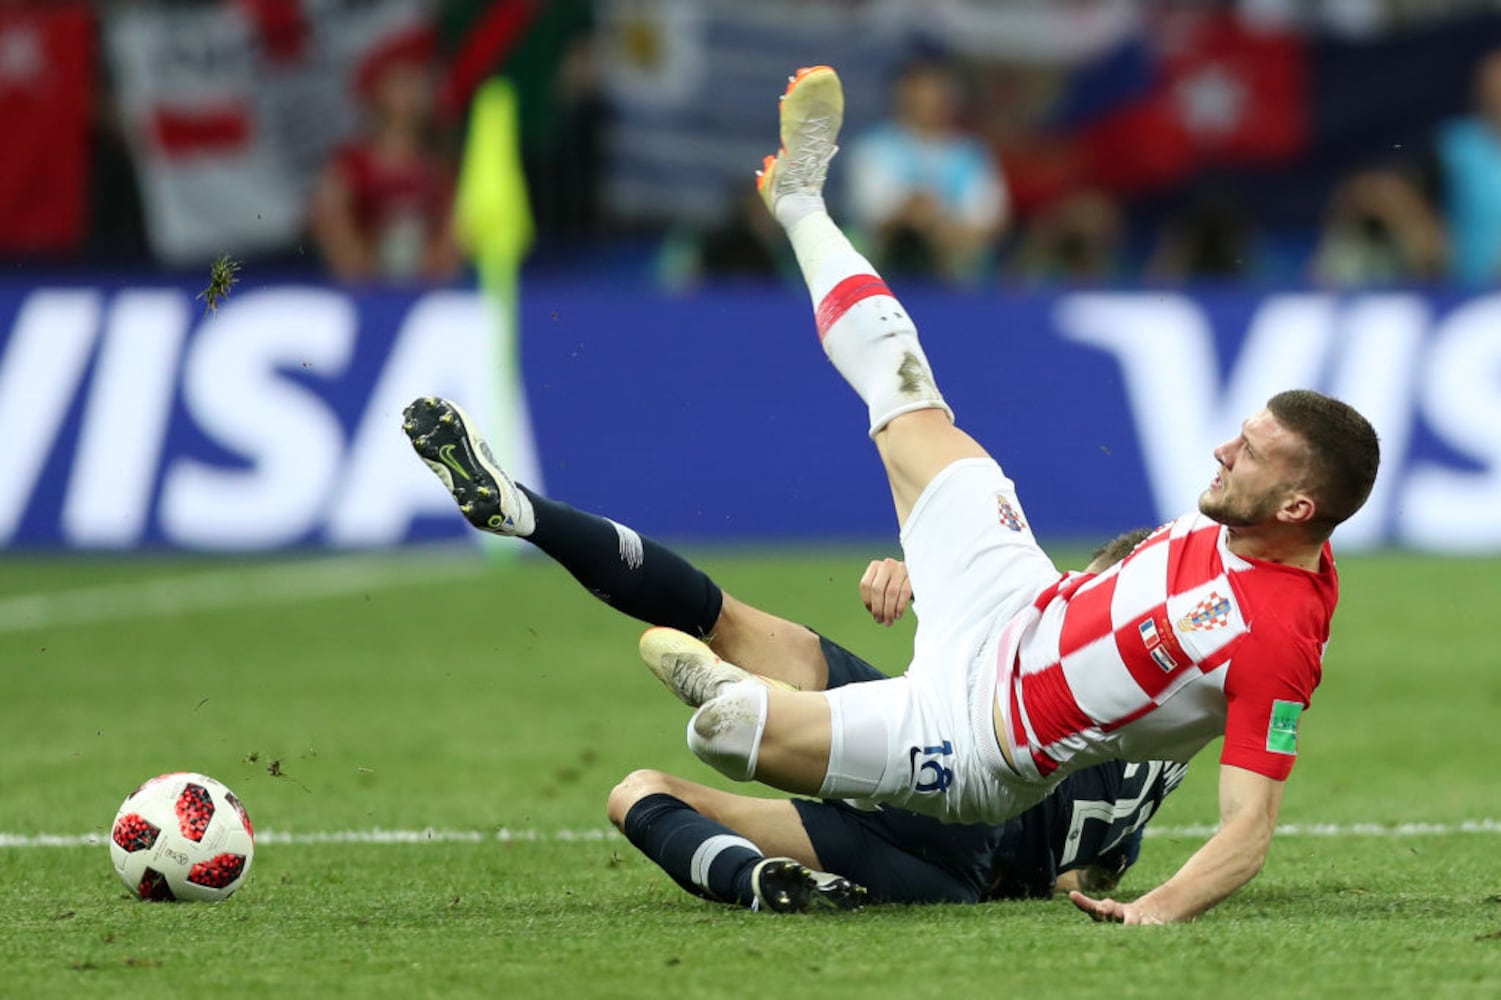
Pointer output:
1345, 143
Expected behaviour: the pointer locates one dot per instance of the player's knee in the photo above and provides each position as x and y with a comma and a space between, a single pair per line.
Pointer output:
726, 731
632, 789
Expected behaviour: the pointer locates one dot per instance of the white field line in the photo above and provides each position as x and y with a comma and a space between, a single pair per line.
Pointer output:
376, 836
219, 589
506, 835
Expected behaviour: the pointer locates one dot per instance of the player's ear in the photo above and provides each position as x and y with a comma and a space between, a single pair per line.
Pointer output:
1299, 507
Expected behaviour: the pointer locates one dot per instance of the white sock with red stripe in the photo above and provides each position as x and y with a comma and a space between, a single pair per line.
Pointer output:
864, 329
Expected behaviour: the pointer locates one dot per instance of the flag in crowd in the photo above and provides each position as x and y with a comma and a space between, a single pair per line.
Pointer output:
46, 96
233, 108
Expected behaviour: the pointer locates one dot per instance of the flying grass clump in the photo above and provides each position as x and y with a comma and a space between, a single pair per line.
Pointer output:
222, 275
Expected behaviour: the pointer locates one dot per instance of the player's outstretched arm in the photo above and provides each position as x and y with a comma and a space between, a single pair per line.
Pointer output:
1249, 803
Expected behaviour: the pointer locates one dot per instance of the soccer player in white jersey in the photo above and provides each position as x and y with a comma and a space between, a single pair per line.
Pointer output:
1021, 674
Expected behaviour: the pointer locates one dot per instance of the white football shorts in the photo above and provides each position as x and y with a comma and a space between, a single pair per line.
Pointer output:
925, 741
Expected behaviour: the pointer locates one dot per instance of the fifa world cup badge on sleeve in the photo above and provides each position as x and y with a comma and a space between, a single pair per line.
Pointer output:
1282, 730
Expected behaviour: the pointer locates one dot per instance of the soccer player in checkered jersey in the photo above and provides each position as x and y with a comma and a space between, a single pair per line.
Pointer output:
768, 853
1020, 674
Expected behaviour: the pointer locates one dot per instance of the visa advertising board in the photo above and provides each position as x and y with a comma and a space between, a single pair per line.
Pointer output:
134, 419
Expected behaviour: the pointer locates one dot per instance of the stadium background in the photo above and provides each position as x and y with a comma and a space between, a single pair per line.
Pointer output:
655, 362
654, 324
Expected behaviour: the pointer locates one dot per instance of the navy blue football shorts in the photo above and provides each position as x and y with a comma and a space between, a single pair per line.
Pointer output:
899, 856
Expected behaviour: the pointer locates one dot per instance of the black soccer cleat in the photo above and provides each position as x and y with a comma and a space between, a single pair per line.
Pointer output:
783, 885
444, 437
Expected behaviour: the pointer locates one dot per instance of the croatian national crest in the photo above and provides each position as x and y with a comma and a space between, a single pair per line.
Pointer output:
1211, 613
1009, 515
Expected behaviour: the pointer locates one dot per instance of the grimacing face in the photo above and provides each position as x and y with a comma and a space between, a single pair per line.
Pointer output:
1259, 470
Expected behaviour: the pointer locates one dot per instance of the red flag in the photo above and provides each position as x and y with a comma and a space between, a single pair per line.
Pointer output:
46, 111
1223, 94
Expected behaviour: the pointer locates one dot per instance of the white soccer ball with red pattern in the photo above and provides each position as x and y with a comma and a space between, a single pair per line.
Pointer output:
182, 836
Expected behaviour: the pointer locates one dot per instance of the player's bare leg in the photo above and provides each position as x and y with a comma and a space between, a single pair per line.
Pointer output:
805, 742
773, 824
865, 331
744, 728
917, 446
769, 646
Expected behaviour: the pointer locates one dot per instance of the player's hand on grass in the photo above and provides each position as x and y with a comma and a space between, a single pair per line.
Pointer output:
1109, 911
886, 590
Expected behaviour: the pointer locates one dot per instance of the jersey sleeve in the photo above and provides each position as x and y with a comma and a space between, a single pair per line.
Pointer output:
1270, 682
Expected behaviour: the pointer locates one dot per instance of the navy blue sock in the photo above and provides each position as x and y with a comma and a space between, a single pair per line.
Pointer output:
704, 857
632, 574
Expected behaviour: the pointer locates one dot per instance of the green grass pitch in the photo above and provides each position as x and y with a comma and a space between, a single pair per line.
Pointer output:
478, 696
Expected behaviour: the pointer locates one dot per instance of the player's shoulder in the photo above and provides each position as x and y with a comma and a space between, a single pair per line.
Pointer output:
1288, 630
1274, 599
1289, 598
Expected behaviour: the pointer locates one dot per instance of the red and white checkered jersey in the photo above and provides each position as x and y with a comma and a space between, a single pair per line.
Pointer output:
1180, 642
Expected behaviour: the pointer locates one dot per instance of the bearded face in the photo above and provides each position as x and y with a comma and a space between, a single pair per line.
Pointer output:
1237, 509
1259, 470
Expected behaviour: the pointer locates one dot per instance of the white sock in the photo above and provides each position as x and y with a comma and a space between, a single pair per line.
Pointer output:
726, 730
865, 331
794, 206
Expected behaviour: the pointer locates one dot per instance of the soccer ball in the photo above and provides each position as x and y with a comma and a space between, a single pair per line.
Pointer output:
182, 836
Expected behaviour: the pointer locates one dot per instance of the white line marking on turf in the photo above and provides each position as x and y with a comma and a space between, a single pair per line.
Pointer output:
506, 835
216, 590
1344, 829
